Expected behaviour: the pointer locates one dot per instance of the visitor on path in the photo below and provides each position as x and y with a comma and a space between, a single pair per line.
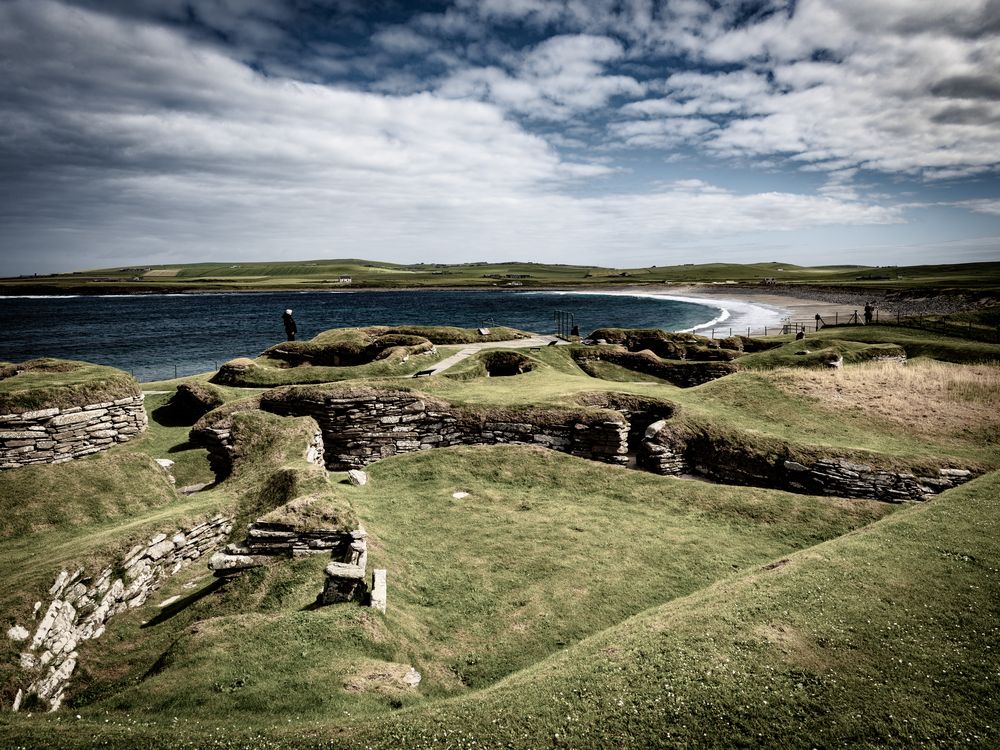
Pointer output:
869, 312
290, 328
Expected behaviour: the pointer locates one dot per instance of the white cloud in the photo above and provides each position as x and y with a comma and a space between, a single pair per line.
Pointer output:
982, 205
185, 153
909, 87
557, 79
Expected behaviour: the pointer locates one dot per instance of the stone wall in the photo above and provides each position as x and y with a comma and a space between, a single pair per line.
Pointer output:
58, 435
675, 452
82, 605
848, 479
358, 430
218, 441
682, 374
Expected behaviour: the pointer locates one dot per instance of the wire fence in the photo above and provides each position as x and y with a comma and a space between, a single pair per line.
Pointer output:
171, 371
933, 323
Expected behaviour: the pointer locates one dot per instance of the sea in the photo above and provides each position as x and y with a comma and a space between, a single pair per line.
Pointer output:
156, 337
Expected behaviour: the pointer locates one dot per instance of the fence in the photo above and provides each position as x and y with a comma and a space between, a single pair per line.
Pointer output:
933, 323
170, 371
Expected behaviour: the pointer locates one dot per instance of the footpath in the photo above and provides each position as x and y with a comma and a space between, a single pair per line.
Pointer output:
468, 351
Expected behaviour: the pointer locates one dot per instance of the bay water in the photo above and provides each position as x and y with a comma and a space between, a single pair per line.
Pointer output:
157, 336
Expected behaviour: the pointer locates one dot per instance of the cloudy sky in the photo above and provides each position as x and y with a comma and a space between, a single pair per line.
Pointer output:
613, 132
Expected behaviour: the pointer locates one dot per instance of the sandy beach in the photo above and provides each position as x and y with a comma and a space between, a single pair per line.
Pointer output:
741, 310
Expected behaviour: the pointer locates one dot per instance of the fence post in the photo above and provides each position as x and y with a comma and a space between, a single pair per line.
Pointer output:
836, 318
175, 372
713, 333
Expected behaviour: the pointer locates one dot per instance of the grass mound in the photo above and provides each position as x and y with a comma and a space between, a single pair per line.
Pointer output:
80, 493
49, 383
594, 544
682, 373
453, 335
667, 345
882, 637
814, 351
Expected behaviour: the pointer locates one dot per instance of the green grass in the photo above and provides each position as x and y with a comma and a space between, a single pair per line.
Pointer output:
263, 373
324, 274
561, 603
553, 550
916, 342
167, 437
47, 383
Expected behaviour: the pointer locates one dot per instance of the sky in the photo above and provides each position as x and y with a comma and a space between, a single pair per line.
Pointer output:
622, 133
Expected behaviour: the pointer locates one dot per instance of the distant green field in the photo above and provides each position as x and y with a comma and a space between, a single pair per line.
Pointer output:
333, 274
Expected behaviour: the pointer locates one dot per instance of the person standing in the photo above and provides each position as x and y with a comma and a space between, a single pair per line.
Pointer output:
290, 328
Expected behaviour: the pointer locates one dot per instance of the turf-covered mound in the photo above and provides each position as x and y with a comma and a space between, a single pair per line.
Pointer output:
684, 374
666, 345
351, 353
58, 383
193, 399
494, 364
346, 347
814, 351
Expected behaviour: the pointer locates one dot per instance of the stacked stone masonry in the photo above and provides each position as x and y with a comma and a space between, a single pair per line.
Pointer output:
267, 541
663, 453
82, 605
344, 575
58, 435
222, 451
358, 431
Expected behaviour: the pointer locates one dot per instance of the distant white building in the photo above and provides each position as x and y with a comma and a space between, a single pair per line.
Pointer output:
345, 279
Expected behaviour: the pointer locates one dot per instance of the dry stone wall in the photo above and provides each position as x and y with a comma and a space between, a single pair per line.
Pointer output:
668, 452
81, 605
682, 374
361, 429
58, 435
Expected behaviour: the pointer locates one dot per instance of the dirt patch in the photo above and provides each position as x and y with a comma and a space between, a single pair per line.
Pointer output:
928, 398
382, 677
796, 647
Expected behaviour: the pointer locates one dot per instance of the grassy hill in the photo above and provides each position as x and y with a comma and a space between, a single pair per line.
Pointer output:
326, 274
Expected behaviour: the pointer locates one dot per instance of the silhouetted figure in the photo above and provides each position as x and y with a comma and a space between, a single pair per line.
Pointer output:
290, 328
800, 335
869, 312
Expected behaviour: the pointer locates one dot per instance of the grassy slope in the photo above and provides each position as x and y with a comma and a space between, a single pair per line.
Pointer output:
70, 527
516, 588
886, 636
48, 383
324, 274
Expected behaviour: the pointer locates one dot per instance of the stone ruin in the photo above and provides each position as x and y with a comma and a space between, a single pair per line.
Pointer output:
53, 436
82, 605
364, 425
290, 532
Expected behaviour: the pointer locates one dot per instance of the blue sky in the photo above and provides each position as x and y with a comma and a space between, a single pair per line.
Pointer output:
620, 133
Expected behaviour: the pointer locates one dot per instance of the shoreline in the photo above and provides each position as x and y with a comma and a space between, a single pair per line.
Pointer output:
740, 309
